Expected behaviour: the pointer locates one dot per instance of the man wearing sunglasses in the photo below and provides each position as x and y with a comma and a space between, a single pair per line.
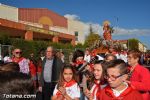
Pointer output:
23, 62
118, 89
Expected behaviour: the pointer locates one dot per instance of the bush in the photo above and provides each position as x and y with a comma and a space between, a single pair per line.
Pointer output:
35, 47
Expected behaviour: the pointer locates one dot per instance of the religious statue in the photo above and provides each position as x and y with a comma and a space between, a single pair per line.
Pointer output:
107, 30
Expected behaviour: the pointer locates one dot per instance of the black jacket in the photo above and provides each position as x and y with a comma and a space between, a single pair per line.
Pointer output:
56, 70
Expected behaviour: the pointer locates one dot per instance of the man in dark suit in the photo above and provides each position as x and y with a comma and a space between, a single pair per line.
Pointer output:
51, 68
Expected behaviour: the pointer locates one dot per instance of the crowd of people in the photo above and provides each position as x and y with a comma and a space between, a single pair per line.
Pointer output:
86, 76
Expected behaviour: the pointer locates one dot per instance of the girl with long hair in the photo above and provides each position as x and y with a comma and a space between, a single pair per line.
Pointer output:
96, 83
67, 87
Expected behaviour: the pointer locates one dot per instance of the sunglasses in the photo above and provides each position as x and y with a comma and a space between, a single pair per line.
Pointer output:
18, 52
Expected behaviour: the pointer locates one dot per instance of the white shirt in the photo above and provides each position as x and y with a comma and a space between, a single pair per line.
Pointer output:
24, 66
95, 92
73, 91
123, 57
0, 57
7, 59
118, 56
87, 58
100, 57
117, 93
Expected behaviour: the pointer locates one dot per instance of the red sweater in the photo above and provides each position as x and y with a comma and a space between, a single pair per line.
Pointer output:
140, 79
128, 94
32, 68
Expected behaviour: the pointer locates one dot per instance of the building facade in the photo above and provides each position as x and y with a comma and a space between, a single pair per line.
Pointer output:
34, 24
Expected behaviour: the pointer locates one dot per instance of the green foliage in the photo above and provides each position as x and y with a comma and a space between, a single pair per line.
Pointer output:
90, 39
4, 39
29, 47
35, 47
133, 44
80, 45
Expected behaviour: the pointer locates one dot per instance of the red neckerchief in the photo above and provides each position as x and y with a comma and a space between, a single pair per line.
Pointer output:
80, 62
110, 93
17, 60
97, 87
114, 53
70, 83
67, 84
93, 54
91, 66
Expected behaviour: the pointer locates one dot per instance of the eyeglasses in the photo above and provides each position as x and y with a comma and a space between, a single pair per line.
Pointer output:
112, 77
18, 52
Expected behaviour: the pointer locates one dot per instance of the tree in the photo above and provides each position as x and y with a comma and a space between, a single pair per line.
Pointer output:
133, 44
4, 39
91, 38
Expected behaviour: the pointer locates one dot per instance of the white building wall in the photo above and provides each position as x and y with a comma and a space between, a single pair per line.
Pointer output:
8, 12
125, 45
80, 27
145, 49
142, 47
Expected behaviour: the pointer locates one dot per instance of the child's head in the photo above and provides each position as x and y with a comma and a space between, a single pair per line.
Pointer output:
11, 66
15, 83
98, 70
116, 73
78, 55
67, 74
110, 57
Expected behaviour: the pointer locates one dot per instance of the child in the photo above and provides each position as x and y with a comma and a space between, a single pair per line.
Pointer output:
67, 87
78, 59
118, 89
91, 94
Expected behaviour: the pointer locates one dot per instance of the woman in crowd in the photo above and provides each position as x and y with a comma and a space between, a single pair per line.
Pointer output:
139, 75
67, 87
96, 84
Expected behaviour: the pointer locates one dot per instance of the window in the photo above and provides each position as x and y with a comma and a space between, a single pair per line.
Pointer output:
76, 35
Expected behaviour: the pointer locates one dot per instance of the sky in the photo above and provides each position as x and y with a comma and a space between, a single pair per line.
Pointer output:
130, 18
